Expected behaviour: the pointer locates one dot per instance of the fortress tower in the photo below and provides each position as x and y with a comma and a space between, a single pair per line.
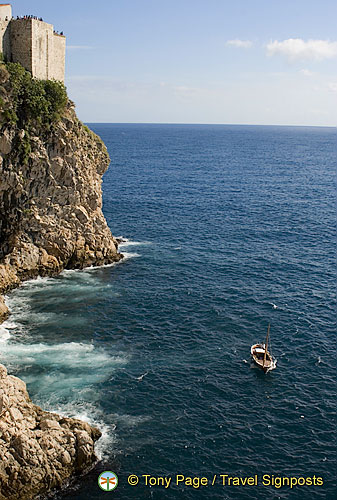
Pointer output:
32, 43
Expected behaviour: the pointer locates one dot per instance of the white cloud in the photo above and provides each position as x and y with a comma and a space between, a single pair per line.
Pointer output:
241, 44
307, 72
297, 49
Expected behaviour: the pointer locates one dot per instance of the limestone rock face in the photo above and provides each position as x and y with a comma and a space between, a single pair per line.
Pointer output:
39, 450
50, 219
51, 201
4, 312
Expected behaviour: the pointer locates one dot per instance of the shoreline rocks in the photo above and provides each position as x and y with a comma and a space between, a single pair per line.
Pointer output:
40, 451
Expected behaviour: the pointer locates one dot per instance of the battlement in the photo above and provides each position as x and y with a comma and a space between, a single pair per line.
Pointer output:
33, 43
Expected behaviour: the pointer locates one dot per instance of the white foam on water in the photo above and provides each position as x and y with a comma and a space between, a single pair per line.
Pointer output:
17, 302
10, 325
65, 377
70, 288
129, 420
273, 366
129, 243
72, 355
7, 327
92, 268
127, 255
66, 371
67, 272
4, 334
130, 255
65, 381
37, 282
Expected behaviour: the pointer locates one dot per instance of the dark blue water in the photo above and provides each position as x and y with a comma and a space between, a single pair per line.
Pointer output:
230, 228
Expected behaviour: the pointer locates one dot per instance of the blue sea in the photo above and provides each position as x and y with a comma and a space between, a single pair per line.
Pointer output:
226, 229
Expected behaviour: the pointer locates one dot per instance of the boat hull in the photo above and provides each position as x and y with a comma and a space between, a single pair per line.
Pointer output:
257, 352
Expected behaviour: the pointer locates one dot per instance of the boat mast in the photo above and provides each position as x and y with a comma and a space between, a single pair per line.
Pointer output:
266, 346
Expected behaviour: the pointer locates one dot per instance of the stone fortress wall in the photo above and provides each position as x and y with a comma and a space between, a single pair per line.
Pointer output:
4, 36
5, 16
32, 43
59, 56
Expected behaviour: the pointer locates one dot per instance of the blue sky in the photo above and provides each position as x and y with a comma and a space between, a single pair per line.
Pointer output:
198, 61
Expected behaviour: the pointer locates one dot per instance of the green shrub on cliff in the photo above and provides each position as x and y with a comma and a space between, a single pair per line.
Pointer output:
33, 102
4, 75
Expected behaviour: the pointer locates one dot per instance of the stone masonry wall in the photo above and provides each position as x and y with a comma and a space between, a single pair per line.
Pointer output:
21, 47
59, 51
42, 49
34, 45
5, 17
4, 36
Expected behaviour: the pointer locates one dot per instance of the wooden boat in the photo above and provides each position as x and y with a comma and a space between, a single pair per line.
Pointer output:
261, 356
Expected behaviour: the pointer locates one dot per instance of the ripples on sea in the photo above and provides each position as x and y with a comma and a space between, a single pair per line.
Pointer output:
229, 228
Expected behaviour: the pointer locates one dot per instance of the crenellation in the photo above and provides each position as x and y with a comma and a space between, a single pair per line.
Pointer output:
33, 43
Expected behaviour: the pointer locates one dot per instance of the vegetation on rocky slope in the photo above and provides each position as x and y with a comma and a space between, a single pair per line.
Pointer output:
34, 107
27, 101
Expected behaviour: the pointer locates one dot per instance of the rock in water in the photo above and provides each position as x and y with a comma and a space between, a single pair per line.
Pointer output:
39, 451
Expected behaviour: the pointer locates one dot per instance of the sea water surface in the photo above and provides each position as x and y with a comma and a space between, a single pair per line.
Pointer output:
229, 228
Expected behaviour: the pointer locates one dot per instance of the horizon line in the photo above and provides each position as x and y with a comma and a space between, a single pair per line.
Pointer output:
213, 124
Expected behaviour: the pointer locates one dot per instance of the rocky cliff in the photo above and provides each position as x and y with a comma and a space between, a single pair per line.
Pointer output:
51, 218
50, 192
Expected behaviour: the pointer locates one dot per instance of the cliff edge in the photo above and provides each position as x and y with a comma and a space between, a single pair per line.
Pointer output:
51, 168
